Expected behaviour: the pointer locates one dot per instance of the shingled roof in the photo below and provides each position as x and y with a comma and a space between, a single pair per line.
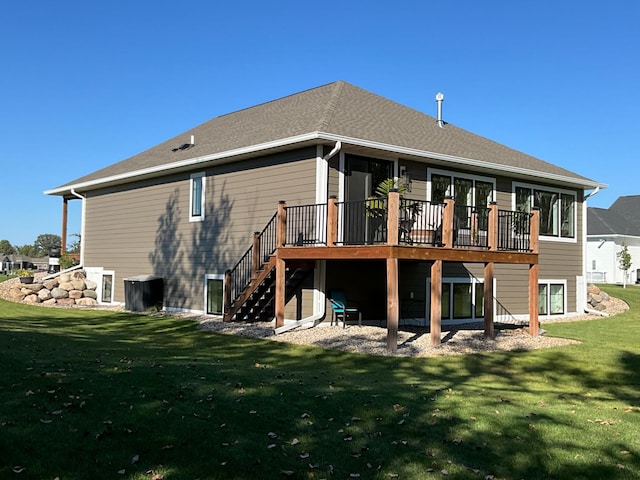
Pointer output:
621, 218
337, 111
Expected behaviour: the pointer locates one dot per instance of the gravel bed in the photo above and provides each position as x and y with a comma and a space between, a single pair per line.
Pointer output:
412, 341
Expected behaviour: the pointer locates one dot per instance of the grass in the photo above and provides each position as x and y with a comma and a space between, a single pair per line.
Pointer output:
94, 394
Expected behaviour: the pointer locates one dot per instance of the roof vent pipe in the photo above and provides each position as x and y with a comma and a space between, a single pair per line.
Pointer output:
439, 100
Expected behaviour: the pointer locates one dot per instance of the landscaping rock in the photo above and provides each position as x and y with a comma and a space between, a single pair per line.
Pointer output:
59, 293
44, 294
86, 302
75, 294
90, 294
31, 298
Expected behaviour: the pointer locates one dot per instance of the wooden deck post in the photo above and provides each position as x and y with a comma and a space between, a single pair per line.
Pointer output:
447, 222
332, 221
436, 302
227, 296
533, 300
534, 230
488, 301
393, 305
280, 292
281, 224
492, 226
393, 220
255, 255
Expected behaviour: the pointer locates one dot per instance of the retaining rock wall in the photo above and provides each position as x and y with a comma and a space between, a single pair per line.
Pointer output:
66, 289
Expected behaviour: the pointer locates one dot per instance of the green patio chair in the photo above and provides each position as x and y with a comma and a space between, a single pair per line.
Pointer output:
342, 308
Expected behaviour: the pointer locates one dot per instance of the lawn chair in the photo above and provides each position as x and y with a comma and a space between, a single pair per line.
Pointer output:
341, 308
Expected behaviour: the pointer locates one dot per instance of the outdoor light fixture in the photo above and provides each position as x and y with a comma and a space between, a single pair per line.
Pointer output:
405, 177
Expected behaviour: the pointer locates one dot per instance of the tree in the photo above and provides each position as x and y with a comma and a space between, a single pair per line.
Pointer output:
26, 250
45, 242
75, 245
6, 248
624, 262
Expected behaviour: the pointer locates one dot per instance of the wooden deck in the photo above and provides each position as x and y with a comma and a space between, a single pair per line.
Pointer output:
392, 250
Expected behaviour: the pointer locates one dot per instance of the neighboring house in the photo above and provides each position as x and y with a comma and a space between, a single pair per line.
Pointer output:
607, 231
187, 209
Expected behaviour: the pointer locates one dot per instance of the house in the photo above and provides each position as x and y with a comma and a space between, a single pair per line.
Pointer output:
608, 230
481, 231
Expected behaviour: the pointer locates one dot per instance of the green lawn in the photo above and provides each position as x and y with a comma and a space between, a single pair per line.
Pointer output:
88, 394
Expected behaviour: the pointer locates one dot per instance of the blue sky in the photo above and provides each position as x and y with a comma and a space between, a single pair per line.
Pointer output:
86, 84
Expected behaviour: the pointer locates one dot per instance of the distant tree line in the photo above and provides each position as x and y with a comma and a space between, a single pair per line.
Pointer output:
41, 247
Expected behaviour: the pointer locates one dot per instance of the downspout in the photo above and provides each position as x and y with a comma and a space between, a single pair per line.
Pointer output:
584, 251
319, 295
83, 198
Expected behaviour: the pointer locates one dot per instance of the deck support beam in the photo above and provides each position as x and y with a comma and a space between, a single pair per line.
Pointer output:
393, 305
488, 301
533, 300
436, 302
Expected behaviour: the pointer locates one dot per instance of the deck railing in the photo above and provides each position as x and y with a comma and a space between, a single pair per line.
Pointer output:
306, 225
368, 222
514, 230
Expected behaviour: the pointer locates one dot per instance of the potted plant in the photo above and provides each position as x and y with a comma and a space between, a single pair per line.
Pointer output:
25, 276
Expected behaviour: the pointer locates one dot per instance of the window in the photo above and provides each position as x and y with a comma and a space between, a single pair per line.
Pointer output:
551, 298
467, 191
107, 289
557, 209
196, 197
214, 294
462, 299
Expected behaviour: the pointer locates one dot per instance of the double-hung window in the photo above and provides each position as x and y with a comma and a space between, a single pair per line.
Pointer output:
557, 209
196, 197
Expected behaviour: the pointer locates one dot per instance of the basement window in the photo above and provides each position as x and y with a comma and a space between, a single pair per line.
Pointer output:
214, 294
551, 297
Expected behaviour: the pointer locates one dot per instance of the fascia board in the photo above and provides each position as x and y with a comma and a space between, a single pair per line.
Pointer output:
327, 137
468, 162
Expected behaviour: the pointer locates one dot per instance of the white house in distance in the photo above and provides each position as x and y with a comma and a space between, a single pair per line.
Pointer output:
608, 229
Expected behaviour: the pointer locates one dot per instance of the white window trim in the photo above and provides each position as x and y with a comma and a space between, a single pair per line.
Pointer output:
532, 186
197, 218
549, 282
207, 277
466, 176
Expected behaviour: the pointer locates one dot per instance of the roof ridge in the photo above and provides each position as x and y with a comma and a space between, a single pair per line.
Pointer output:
332, 104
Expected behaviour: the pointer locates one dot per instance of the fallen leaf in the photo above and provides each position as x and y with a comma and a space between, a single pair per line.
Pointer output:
295, 441
122, 472
444, 472
135, 459
304, 455
286, 473
18, 469
272, 435
271, 445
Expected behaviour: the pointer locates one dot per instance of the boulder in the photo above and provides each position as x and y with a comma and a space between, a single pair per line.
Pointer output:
31, 298
90, 294
78, 275
32, 287
90, 284
51, 284
16, 294
44, 294
59, 293
78, 284
67, 286
87, 302
75, 294
65, 277
65, 301
51, 301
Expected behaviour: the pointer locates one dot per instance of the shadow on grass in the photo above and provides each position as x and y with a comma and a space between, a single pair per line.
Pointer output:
103, 395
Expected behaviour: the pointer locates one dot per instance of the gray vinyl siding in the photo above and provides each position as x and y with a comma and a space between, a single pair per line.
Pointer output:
144, 228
